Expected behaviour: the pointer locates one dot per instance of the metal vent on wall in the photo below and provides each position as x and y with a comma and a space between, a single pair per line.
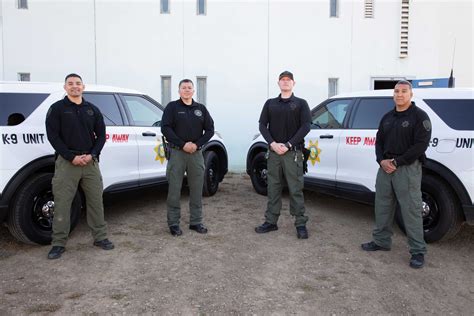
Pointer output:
369, 9
24, 76
404, 28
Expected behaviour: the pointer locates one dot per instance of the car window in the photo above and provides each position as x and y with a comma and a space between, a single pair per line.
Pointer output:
369, 112
457, 114
16, 107
331, 115
142, 111
107, 105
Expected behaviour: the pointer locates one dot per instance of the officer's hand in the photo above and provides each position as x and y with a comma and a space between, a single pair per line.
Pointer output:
283, 149
84, 161
87, 159
276, 147
189, 147
194, 147
387, 166
78, 161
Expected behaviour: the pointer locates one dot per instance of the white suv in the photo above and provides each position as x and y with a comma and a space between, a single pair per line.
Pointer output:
342, 160
132, 157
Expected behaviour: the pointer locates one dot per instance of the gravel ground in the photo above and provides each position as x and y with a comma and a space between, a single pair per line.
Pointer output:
232, 270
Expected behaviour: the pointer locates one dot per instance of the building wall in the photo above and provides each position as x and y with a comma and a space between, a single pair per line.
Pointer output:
240, 46
45, 42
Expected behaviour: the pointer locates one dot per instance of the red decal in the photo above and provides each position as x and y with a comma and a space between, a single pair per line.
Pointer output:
369, 141
120, 138
351, 140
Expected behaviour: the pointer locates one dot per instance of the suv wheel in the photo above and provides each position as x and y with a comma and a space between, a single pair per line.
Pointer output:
211, 173
442, 218
258, 173
31, 216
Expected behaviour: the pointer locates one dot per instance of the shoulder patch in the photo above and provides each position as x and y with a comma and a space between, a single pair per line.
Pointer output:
427, 125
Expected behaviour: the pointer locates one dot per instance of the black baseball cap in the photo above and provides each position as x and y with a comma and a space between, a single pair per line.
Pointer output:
286, 73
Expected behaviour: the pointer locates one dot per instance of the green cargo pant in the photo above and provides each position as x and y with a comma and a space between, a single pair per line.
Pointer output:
65, 182
289, 166
404, 186
193, 165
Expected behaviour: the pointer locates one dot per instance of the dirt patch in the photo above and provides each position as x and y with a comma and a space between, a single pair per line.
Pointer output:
43, 308
74, 296
232, 270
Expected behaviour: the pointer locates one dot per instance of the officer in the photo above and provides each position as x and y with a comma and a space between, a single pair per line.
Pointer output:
76, 130
284, 122
402, 139
187, 126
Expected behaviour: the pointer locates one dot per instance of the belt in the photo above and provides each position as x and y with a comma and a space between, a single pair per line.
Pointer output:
178, 148
391, 156
296, 148
170, 145
78, 152
293, 148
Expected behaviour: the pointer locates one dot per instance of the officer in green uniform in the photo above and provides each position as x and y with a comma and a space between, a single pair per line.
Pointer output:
284, 122
187, 126
402, 139
76, 130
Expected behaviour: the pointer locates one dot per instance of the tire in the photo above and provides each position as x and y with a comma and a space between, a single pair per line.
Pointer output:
442, 217
211, 173
26, 220
258, 173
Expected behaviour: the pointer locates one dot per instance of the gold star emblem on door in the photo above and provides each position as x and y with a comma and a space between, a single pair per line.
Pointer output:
160, 152
315, 151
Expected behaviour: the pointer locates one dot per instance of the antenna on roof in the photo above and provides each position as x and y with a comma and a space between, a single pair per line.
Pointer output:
451, 78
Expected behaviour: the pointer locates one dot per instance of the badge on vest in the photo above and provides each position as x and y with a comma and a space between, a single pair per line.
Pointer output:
405, 124
90, 112
198, 113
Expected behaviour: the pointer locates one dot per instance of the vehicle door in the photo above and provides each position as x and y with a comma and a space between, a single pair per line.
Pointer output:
327, 123
357, 165
119, 157
145, 115
452, 139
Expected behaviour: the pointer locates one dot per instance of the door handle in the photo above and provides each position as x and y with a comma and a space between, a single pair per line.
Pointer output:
148, 134
326, 136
